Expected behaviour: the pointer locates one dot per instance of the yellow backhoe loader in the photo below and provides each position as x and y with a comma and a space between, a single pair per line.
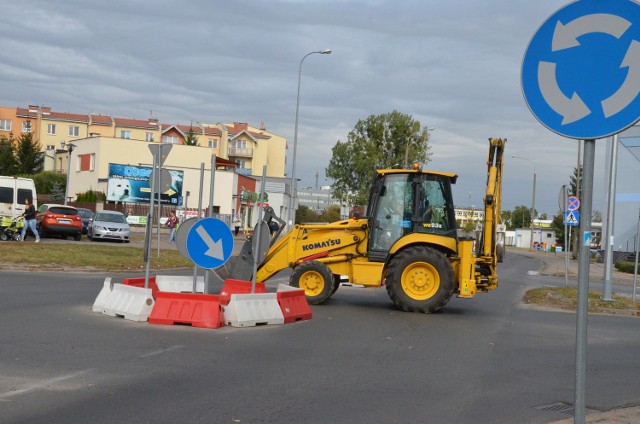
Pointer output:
408, 242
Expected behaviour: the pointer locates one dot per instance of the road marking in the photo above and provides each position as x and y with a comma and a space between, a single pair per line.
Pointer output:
43, 384
161, 351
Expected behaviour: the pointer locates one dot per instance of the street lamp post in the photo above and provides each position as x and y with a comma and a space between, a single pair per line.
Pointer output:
292, 203
533, 199
70, 147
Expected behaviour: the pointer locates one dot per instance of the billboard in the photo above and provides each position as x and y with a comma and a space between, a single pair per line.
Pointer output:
130, 183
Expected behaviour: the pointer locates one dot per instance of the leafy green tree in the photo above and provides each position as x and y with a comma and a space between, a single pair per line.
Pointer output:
558, 225
521, 217
190, 139
304, 214
29, 157
46, 180
506, 217
57, 192
8, 163
332, 214
390, 140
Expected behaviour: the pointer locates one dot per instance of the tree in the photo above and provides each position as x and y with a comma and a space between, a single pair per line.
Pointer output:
383, 141
29, 157
332, 214
45, 182
558, 225
506, 217
521, 217
8, 163
191, 139
304, 214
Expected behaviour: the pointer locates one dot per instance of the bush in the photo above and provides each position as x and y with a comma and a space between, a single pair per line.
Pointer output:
90, 196
625, 266
46, 181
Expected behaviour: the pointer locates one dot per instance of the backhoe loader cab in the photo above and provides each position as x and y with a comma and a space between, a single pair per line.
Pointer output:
404, 202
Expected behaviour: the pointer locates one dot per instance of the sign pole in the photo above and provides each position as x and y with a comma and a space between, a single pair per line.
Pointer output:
211, 186
607, 242
256, 245
583, 279
159, 168
148, 230
195, 267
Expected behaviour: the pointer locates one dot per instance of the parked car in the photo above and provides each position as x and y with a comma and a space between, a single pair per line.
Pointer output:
86, 215
59, 219
109, 225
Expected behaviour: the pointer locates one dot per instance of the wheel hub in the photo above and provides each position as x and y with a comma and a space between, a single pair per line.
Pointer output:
420, 280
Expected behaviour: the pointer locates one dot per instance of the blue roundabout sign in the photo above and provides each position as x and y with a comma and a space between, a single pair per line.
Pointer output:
581, 70
209, 243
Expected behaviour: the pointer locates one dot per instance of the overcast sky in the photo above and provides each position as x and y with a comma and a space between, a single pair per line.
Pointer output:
453, 65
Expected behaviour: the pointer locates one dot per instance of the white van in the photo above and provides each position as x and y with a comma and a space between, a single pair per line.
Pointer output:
13, 192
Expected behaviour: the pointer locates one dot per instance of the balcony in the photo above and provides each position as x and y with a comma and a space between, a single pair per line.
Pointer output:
243, 171
237, 152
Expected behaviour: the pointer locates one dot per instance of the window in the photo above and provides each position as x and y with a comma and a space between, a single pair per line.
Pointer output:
26, 126
24, 194
213, 143
74, 130
125, 134
6, 195
172, 139
86, 162
239, 144
148, 136
51, 129
5, 125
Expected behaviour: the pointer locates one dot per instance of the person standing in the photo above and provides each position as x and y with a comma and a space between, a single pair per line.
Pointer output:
30, 220
236, 224
172, 223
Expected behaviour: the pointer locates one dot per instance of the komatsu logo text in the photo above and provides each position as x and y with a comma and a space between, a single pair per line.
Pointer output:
321, 244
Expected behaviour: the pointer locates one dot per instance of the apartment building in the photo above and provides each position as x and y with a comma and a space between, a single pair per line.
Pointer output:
249, 147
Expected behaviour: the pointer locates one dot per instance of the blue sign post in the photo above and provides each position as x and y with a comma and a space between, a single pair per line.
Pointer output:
209, 243
581, 79
581, 70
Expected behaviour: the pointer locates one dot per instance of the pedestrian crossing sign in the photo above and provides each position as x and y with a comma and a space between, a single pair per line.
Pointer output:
572, 218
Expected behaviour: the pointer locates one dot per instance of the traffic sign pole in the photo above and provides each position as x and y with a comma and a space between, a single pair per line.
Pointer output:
607, 242
195, 266
583, 280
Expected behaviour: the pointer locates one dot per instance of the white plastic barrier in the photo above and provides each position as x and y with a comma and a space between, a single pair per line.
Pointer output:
101, 300
133, 303
245, 310
179, 283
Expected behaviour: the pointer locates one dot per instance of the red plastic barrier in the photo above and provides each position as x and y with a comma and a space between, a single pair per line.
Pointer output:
139, 282
294, 306
195, 309
238, 287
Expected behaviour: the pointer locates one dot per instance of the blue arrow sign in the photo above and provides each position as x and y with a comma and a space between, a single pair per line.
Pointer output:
581, 70
209, 243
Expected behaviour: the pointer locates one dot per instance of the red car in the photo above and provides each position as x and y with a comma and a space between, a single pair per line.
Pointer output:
59, 219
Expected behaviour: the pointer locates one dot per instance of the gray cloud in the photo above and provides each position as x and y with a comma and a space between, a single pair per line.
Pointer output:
453, 65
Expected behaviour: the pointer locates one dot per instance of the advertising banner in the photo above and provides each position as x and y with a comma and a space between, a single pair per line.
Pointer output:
129, 183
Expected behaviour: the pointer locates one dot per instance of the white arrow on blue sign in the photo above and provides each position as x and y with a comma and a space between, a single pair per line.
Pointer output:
581, 70
210, 243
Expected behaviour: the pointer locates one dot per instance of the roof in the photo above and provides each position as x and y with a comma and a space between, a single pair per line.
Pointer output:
64, 116
151, 124
101, 119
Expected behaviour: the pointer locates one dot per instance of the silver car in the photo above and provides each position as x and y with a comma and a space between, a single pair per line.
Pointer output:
109, 225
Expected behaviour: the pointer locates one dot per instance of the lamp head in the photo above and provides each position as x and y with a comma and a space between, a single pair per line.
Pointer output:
325, 51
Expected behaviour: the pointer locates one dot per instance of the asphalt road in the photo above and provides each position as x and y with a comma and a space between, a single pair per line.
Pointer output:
359, 360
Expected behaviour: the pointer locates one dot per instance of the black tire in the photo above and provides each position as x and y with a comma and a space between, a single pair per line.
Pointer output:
41, 231
336, 284
315, 278
500, 251
3, 236
77, 237
17, 237
420, 279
